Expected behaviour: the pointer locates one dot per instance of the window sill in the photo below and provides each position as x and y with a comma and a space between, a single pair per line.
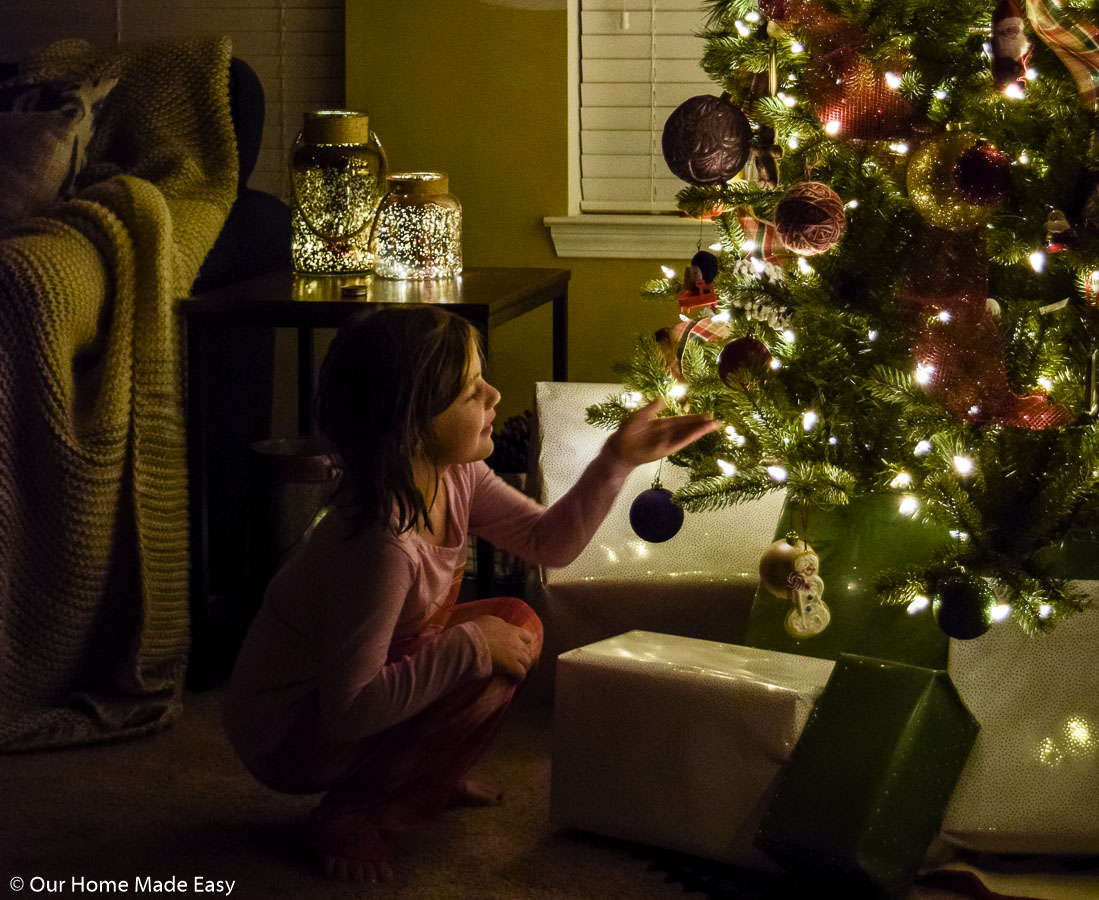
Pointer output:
628, 237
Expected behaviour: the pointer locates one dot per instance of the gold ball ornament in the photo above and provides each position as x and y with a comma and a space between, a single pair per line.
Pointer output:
932, 187
778, 563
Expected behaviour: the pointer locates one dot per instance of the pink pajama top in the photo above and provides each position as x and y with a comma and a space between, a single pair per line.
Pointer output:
323, 632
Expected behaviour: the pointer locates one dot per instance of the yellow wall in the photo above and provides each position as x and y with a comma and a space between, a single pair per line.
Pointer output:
479, 91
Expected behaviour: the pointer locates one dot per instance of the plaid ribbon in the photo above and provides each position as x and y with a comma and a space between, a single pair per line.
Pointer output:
766, 236
1075, 40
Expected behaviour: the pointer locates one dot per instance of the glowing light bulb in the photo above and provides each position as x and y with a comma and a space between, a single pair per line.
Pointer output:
750, 246
922, 448
632, 399
893, 80
683, 317
789, 101
776, 365
677, 391
758, 265
945, 316
727, 468
742, 28
716, 246
901, 480
753, 16
1037, 260
908, 506
871, 335
940, 94
850, 204
797, 47
1031, 74
918, 605
833, 440
804, 267
963, 465
793, 142
1014, 91
668, 271
959, 535
1024, 158
924, 373
1045, 382
809, 420
832, 128
777, 473
788, 336
900, 147
1000, 612
722, 317
1045, 611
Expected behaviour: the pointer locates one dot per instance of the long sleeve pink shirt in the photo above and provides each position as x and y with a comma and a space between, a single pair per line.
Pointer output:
328, 617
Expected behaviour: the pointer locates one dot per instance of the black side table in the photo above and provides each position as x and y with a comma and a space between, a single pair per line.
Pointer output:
486, 297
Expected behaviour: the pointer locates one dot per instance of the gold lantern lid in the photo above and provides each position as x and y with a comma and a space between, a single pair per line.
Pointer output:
336, 126
419, 184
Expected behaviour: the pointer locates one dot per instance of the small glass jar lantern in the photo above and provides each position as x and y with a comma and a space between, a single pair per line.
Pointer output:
338, 176
418, 233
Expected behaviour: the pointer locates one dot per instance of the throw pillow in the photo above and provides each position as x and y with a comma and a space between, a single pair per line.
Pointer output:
45, 129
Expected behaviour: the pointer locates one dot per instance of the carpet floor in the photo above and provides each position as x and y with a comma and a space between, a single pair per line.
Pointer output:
178, 806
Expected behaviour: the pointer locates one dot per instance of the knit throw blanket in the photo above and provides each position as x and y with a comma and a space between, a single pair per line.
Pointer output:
94, 624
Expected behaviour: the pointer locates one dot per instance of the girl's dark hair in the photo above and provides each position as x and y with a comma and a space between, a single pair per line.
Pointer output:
388, 372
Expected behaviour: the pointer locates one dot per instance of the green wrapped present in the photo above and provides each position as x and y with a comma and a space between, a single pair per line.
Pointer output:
868, 782
854, 545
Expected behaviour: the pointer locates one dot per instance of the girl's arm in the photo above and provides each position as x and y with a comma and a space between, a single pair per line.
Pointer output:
360, 692
557, 535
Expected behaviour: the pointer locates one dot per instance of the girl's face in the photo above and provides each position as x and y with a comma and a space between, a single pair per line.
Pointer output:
463, 431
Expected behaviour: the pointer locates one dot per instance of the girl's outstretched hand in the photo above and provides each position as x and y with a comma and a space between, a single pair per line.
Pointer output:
643, 437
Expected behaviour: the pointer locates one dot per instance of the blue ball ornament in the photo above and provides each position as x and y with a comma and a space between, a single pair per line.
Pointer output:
654, 516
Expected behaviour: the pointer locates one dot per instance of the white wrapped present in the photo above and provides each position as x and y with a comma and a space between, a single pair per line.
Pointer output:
699, 583
675, 742
1031, 784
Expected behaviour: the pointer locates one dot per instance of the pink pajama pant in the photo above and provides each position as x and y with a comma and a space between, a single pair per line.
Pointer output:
411, 769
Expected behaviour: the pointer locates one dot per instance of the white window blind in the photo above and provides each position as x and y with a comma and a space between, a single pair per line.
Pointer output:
639, 59
296, 48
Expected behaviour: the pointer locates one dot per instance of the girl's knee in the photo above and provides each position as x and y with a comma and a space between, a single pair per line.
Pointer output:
516, 612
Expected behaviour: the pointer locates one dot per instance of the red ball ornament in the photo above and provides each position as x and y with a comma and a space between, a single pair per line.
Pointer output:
982, 175
810, 218
706, 140
745, 356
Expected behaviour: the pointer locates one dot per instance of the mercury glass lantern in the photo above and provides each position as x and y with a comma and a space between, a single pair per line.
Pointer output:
418, 232
338, 174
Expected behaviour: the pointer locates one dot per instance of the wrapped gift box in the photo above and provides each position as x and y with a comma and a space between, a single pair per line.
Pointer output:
865, 789
1032, 782
675, 741
698, 584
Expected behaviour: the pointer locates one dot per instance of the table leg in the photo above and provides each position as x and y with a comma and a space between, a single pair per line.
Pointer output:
197, 352
305, 380
561, 337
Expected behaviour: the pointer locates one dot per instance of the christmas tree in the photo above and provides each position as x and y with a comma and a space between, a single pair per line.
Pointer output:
905, 299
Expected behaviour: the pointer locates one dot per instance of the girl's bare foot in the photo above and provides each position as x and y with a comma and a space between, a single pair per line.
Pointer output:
472, 793
349, 845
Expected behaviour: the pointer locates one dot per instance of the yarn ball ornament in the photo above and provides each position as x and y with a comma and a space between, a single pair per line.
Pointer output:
746, 356
776, 565
982, 175
932, 187
809, 218
962, 609
707, 264
654, 516
706, 140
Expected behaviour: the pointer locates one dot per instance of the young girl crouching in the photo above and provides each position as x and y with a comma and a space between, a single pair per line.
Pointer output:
361, 678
